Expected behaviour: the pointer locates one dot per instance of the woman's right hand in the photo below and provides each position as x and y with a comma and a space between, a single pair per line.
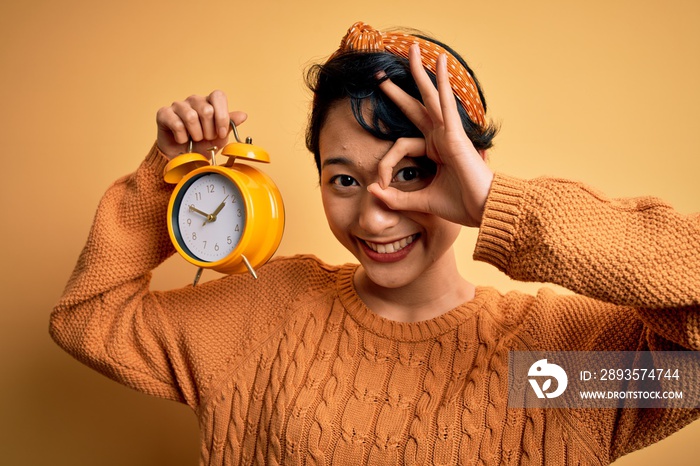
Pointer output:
204, 119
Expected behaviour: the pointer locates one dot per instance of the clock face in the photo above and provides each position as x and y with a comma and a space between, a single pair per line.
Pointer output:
209, 217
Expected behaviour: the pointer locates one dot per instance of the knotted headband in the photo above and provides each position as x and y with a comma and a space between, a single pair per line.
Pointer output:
364, 38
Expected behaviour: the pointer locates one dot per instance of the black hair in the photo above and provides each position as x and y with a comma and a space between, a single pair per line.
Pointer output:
352, 75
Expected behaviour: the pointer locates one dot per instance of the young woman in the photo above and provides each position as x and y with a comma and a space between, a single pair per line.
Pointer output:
397, 359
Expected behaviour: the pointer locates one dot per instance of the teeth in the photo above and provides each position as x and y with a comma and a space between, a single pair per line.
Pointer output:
388, 248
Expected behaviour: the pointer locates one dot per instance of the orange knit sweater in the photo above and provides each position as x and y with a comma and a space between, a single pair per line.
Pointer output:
293, 368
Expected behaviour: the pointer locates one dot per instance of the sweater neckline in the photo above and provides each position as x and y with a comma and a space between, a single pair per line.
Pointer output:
403, 331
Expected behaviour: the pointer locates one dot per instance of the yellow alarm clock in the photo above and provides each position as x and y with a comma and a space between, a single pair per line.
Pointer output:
230, 217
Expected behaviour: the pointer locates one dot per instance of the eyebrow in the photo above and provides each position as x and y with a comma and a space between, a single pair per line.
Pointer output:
337, 161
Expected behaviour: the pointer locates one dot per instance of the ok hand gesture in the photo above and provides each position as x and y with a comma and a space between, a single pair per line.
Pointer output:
462, 181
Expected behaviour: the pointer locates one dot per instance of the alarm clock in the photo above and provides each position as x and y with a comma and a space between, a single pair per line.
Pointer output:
230, 217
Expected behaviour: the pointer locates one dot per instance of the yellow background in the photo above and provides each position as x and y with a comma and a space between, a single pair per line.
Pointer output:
604, 91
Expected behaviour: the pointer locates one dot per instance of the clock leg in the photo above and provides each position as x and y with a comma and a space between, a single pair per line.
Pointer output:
197, 276
249, 267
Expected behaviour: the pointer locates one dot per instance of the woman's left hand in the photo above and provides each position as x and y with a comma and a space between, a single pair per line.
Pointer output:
462, 181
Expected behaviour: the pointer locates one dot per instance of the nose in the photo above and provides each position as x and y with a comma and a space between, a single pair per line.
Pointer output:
374, 216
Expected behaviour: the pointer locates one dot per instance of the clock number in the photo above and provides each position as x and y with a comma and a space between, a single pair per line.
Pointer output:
205, 244
233, 199
210, 188
194, 236
197, 196
189, 222
216, 246
237, 228
229, 240
240, 213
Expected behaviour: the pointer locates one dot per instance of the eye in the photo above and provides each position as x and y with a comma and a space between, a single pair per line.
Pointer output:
407, 174
344, 181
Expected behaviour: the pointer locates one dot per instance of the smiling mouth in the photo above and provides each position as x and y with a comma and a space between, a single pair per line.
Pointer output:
389, 248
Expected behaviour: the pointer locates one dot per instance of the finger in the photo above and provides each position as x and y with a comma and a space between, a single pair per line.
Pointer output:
169, 122
428, 92
448, 102
190, 118
219, 102
409, 106
205, 113
395, 199
403, 147
237, 117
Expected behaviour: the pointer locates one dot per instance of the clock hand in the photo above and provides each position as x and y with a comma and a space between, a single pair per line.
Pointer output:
194, 209
221, 206
212, 217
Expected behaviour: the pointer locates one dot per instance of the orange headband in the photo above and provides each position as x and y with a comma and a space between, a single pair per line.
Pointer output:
362, 37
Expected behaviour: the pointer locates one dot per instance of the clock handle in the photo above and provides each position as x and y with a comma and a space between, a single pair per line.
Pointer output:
244, 150
248, 140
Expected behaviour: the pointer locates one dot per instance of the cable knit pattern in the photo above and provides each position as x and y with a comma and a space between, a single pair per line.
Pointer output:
294, 369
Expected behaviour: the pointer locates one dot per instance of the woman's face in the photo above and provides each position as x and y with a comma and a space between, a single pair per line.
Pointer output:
395, 248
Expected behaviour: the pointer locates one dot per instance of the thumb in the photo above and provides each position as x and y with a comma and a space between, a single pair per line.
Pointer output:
396, 199
238, 117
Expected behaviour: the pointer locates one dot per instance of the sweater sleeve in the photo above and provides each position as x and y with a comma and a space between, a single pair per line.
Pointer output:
639, 261
636, 252
106, 318
172, 344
